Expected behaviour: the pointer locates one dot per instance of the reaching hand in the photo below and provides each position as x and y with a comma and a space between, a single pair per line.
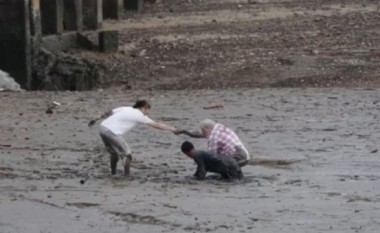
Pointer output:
91, 123
178, 131
188, 133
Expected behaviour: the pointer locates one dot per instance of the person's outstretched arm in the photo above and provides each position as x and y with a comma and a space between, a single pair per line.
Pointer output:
103, 116
161, 126
190, 134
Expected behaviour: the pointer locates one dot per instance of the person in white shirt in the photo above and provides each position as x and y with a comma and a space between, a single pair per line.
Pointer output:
117, 123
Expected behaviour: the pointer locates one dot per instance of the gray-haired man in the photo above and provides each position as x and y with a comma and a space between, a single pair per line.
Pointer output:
221, 140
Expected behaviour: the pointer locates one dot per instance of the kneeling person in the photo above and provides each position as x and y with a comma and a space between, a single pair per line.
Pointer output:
226, 166
221, 140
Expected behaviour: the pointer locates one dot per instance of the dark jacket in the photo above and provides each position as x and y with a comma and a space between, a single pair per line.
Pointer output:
222, 164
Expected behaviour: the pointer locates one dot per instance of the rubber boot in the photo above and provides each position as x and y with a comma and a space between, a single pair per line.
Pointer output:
113, 163
127, 164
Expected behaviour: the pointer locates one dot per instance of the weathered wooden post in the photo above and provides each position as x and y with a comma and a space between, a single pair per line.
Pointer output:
92, 14
15, 43
73, 15
52, 16
113, 9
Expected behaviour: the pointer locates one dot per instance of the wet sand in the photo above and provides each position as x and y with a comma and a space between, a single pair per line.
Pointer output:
315, 164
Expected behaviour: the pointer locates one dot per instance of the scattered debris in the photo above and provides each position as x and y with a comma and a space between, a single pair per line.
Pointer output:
52, 106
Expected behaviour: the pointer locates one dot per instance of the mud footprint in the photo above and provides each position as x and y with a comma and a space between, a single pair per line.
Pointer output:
82, 205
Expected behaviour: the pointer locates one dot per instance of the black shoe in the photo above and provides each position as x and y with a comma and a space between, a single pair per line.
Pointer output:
113, 163
127, 164
240, 175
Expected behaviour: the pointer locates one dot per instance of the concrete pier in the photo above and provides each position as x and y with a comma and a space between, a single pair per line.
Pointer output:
52, 16
135, 5
109, 41
92, 14
113, 9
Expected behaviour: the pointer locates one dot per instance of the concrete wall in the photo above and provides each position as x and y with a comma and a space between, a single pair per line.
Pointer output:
35, 18
15, 48
32, 30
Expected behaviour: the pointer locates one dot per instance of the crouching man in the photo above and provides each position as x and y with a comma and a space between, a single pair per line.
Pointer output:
221, 140
224, 165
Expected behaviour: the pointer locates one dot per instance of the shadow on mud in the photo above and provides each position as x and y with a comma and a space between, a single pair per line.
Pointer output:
276, 163
82, 205
174, 177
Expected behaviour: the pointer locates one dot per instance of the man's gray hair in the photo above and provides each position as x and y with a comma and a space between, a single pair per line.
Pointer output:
207, 123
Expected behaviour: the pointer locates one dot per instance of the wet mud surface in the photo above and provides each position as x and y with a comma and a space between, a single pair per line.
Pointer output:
315, 164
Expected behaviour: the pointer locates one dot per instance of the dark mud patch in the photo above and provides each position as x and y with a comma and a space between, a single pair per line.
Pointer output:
140, 219
7, 172
82, 205
276, 163
42, 201
356, 198
6, 169
7, 175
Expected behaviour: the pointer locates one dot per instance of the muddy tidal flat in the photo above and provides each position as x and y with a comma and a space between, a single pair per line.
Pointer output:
315, 164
